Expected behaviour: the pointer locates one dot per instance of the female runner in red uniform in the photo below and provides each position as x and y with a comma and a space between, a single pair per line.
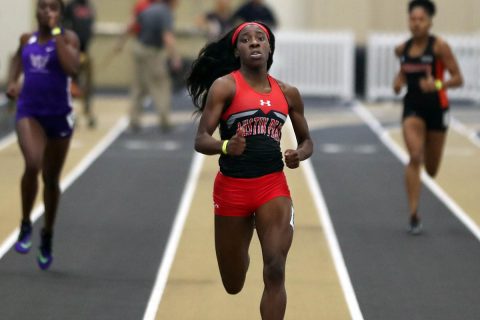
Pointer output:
231, 87
423, 59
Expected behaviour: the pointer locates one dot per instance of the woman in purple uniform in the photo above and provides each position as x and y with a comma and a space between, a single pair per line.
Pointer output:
44, 124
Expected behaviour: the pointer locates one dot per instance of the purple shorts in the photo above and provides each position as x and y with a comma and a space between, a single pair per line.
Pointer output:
55, 126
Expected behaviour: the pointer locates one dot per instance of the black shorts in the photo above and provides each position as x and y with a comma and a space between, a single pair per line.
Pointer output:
435, 118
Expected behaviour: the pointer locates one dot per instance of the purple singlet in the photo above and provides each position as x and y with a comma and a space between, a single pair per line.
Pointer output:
46, 86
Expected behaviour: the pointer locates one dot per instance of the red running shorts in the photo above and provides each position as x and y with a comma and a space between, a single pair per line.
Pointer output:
240, 197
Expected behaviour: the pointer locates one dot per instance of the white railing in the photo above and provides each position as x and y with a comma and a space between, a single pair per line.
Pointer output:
317, 63
382, 65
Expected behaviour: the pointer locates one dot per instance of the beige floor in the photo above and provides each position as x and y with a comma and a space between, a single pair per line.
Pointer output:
194, 289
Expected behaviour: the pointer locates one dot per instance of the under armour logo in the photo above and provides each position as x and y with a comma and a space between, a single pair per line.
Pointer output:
268, 103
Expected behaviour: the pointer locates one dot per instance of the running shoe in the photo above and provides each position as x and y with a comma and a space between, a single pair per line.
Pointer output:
24, 242
415, 226
45, 256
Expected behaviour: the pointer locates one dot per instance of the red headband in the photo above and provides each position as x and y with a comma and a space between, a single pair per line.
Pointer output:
243, 25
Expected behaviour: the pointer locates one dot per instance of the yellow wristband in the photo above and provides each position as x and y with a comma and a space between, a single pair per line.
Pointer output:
56, 31
438, 84
224, 146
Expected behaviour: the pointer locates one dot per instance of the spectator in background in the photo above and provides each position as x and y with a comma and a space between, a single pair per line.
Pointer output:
133, 28
80, 17
155, 45
255, 10
216, 22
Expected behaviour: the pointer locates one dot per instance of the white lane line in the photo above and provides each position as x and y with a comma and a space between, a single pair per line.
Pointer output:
387, 140
332, 240
174, 238
37, 212
8, 140
463, 130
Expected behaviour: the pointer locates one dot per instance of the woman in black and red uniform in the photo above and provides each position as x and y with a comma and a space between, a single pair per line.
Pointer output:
423, 59
230, 85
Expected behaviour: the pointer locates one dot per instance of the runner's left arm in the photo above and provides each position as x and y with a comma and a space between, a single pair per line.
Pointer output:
446, 55
304, 142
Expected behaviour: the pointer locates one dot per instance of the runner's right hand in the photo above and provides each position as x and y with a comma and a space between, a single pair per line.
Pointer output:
236, 145
12, 91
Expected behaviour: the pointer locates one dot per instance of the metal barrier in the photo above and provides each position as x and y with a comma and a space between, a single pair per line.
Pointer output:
317, 63
382, 65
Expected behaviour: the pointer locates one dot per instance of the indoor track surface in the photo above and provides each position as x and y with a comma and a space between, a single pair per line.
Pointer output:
134, 232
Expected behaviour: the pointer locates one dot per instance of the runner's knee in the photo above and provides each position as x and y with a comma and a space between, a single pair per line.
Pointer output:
32, 168
233, 275
416, 159
233, 286
51, 183
432, 170
274, 272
